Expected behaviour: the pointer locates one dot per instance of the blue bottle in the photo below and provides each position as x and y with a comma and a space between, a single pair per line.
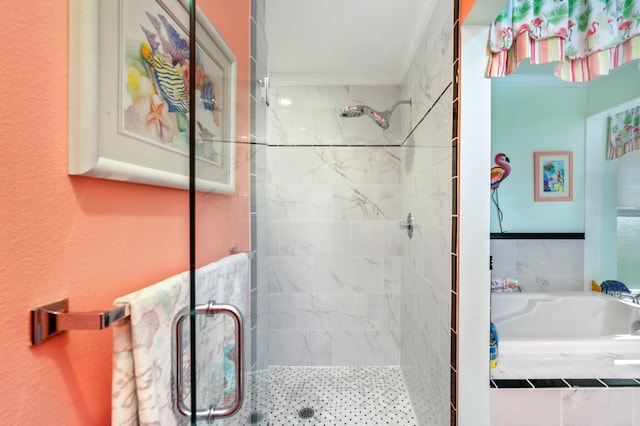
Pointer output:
493, 346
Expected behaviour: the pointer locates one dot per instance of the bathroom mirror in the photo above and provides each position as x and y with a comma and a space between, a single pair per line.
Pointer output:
520, 103
534, 111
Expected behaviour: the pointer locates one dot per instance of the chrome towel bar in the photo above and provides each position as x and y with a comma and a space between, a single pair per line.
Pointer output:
52, 319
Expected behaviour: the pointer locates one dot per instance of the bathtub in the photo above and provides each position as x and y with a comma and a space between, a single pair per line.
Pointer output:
565, 335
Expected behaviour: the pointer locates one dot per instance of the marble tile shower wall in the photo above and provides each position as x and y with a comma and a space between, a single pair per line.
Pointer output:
312, 117
540, 265
427, 193
258, 173
333, 213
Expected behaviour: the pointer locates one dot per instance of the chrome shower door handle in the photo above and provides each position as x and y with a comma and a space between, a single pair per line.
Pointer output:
408, 225
211, 309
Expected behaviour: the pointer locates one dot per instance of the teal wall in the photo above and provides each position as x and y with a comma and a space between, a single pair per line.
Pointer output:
621, 86
529, 119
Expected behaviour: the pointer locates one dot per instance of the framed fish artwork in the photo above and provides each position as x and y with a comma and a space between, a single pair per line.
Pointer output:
129, 71
553, 175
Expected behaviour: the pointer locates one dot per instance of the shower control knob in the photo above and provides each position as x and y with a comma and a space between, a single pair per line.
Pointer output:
408, 225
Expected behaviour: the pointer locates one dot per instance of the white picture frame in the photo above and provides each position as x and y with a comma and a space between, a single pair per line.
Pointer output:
127, 102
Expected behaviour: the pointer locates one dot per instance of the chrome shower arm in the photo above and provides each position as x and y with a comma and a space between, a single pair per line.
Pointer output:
404, 101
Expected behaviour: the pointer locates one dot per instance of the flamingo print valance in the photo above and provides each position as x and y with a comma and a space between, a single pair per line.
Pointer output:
624, 133
587, 38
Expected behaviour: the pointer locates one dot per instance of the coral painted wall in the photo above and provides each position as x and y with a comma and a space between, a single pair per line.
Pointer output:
465, 7
89, 240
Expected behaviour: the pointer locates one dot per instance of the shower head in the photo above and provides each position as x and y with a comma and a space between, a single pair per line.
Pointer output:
353, 111
380, 118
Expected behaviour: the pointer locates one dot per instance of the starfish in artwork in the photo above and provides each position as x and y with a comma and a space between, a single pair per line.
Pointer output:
155, 116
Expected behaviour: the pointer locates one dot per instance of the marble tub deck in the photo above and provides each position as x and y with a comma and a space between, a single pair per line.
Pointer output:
567, 366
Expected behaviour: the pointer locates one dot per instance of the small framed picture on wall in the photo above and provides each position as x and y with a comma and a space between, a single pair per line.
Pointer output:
553, 175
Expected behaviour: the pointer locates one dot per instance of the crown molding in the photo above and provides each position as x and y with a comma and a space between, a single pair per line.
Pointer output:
419, 28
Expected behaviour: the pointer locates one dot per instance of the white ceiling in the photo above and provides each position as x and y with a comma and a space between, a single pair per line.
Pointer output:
365, 42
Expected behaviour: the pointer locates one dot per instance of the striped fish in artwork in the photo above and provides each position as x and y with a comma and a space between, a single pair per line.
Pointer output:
169, 78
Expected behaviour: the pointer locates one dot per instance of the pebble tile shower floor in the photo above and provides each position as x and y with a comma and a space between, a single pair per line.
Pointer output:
328, 396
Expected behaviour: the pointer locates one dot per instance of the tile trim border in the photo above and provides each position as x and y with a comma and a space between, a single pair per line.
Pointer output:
563, 383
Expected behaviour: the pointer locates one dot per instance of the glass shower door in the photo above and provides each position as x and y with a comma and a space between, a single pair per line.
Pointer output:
228, 369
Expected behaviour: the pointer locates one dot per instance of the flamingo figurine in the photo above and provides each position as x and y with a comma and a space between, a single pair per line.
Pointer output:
498, 174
